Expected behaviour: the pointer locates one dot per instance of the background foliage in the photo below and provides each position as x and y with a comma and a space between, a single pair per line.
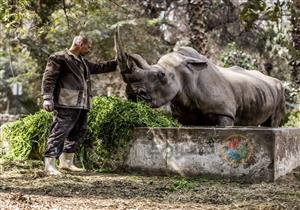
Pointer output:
234, 56
254, 34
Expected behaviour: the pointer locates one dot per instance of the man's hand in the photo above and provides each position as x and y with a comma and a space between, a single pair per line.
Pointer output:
48, 105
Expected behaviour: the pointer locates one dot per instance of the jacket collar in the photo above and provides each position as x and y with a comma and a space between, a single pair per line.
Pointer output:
78, 58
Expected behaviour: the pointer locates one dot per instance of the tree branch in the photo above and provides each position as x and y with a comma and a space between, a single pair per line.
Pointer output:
118, 5
65, 11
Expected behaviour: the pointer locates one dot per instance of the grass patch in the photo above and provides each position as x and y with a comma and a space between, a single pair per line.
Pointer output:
181, 183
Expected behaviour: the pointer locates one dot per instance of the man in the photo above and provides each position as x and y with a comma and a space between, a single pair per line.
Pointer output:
66, 90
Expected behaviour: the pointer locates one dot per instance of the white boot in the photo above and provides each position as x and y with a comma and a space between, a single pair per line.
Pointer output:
50, 168
66, 162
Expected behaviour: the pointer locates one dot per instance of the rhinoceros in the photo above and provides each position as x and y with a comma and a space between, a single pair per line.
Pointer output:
201, 93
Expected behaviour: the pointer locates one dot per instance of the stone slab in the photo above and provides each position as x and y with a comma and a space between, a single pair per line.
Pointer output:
252, 153
286, 151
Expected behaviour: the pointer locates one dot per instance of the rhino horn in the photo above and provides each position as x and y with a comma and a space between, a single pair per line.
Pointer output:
121, 54
139, 61
129, 61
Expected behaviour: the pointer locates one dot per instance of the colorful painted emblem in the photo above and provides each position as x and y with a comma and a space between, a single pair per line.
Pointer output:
237, 149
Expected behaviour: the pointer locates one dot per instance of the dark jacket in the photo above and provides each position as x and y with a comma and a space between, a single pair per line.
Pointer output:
67, 83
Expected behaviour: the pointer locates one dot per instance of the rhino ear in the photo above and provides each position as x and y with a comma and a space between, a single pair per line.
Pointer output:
196, 64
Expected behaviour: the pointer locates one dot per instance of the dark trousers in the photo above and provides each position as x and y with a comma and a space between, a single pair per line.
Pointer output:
67, 131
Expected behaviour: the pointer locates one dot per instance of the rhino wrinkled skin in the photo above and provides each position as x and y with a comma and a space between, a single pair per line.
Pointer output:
201, 93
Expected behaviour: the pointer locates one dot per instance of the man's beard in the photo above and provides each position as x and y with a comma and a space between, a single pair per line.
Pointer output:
85, 53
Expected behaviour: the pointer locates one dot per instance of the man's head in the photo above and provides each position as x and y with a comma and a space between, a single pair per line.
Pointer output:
81, 45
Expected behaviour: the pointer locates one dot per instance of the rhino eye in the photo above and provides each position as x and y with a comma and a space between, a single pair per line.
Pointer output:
142, 92
144, 95
162, 77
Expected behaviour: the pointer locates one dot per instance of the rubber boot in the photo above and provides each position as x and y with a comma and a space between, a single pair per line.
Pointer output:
66, 162
50, 168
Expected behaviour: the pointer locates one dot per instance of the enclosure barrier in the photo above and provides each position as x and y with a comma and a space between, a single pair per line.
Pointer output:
252, 153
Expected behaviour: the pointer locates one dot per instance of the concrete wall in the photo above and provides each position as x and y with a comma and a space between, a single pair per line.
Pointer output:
256, 154
286, 151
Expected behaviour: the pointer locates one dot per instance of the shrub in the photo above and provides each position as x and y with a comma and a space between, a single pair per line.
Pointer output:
235, 57
292, 94
293, 119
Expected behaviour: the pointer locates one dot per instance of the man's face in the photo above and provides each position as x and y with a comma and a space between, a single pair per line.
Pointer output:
85, 48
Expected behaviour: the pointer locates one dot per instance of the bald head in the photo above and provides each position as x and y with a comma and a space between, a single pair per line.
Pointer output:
81, 45
80, 39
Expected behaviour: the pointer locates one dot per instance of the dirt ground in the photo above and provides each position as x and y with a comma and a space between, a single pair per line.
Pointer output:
24, 186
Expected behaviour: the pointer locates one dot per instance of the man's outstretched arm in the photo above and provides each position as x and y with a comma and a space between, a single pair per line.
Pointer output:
103, 67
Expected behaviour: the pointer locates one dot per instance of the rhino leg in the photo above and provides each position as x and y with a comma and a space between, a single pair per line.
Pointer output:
225, 121
278, 115
218, 120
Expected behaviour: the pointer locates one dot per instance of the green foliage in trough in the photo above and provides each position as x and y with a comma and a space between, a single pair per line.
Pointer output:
110, 124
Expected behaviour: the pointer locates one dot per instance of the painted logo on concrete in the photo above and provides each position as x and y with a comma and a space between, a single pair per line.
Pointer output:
237, 149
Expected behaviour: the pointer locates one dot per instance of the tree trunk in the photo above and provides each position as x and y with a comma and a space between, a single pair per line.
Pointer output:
197, 10
296, 40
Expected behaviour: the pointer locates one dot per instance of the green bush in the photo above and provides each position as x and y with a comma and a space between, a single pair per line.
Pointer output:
293, 119
235, 57
110, 124
292, 94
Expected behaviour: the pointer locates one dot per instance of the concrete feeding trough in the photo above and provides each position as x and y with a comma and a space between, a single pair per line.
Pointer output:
252, 153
